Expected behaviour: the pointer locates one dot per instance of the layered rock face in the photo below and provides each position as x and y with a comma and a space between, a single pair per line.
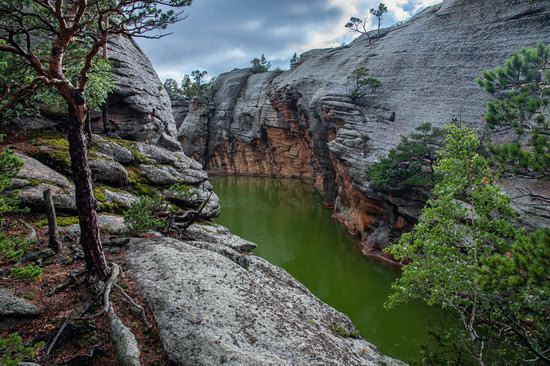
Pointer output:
139, 107
222, 306
121, 170
302, 123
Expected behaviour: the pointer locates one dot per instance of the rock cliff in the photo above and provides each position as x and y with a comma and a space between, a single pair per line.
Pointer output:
301, 123
221, 305
139, 107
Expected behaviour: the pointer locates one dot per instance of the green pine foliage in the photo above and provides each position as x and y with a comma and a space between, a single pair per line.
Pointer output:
12, 248
99, 87
467, 255
261, 64
411, 162
13, 350
9, 167
518, 285
294, 60
521, 91
193, 85
30, 272
172, 88
145, 214
361, 84
14, 76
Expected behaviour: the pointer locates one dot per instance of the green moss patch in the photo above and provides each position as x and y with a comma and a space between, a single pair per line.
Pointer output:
138, 183
182, 190
61, 221
53, 151
344, 332
130, 145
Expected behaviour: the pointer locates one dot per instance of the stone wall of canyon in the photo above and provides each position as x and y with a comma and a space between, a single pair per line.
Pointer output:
300, 123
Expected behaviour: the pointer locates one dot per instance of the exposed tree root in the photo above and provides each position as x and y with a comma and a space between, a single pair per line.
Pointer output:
57, 335
71, 278
102, 298
134, 304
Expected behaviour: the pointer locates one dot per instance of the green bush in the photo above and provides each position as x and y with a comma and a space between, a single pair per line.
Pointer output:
360, 83
144, 214
27, 272
411, 163
13, 350
12, 248
9, 167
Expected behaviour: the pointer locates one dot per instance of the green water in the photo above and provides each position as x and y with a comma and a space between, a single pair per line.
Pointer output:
294, 231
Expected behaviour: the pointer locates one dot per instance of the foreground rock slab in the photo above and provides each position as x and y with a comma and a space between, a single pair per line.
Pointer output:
212, 310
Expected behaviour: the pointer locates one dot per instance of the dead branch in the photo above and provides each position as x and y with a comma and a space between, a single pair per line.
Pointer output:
52, 221
71, 278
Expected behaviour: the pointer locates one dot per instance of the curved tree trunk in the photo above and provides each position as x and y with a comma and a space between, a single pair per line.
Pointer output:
85, 200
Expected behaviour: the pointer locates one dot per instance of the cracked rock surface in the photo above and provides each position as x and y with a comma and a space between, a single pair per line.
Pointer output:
215, 305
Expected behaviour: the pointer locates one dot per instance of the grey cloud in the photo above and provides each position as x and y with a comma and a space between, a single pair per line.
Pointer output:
219, 35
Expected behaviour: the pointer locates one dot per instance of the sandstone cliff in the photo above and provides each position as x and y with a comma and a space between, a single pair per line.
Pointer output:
300, 123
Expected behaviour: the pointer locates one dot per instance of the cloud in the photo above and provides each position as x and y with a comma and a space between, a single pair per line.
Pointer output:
220, 35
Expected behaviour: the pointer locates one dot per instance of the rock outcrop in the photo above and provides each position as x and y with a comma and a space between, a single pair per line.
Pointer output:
15, 306
139, 107
215, 304
302, 123
121, 169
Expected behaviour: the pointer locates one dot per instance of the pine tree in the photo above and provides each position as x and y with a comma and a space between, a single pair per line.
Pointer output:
379, 14
42, 34
468, 255
261, 64
172, 88
411, 162
294, 60
521, 91
361, 84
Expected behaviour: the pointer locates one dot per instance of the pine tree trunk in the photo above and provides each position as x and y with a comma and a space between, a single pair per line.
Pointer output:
85, 200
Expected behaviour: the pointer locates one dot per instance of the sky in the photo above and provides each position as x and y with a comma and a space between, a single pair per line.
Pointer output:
221, 35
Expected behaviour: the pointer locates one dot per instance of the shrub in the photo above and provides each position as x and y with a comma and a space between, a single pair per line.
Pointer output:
411, 162
12, 248
144, 214
13, 350
9, 167
27, 272
360, 83
344, 332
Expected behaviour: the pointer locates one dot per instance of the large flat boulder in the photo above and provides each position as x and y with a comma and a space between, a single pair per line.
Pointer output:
216, 306
33, 170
